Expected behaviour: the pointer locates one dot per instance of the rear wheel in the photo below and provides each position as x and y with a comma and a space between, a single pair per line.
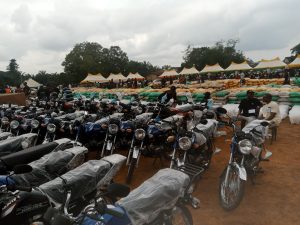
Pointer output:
181, 216
131, 170
231, 194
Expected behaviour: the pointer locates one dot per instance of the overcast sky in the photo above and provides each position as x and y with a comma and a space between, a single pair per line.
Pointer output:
39, 33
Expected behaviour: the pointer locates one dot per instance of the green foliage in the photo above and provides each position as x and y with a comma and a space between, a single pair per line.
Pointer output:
13, 76
222, 53
13, 66
91, 57
142, 68
296, 49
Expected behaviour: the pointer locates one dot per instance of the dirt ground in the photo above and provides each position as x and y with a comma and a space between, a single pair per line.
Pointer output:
274, 199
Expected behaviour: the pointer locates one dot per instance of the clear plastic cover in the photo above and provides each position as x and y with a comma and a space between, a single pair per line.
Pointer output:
208, 129
45, 169
4, 135
259, 133
155, 195
15, 144
81, 181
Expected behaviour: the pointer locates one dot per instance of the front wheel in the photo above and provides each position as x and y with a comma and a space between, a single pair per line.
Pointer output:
181, 216
131, 170
231, 194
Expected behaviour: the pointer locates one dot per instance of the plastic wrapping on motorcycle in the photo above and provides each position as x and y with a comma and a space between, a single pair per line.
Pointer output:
207, 129
184, 107
143, 118
14, 144
116, 161
27, 155
155, 195
44, 169
81, 181
259, 133
4, 135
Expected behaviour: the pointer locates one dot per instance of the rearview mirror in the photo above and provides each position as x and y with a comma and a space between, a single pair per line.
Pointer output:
20, 169
221, 110
204, 121
264, 123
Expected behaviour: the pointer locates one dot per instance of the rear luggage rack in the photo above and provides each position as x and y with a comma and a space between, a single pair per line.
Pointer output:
192, 170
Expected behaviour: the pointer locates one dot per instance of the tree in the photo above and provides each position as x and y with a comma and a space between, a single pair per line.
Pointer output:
222, 53
91, 57
142, 68
13, 75
13, 66
166, 67
296, 49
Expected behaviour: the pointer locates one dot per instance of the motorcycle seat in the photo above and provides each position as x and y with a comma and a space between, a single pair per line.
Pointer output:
27, 155
81, 181
45, 169
155, 195
84, 179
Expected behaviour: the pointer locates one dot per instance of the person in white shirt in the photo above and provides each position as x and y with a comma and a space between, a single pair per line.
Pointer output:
270, 111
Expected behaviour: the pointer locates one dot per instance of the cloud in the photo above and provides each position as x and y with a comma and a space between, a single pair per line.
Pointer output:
40, 33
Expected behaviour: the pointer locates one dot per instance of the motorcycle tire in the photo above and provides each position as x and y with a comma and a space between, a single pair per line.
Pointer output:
131, 170
240, 191
181, 216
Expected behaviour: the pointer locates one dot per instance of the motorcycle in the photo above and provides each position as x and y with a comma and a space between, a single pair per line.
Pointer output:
84, 182
28, 155
49, 167
245, 156
136, 148
109, 144
167, 198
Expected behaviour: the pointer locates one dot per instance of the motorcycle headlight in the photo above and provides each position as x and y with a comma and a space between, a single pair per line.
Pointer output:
245, 146
113, 128
51, 128
140, 134
185, 143
5, 121
14, 124
35, 124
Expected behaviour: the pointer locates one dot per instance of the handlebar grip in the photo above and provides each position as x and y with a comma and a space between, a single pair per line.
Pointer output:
20, 188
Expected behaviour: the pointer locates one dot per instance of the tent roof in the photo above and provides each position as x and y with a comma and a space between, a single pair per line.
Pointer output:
238, 66
211, 69
187, 71
295, 63
32, 83
272, 63
116, 77
135, 76
94, 78
169, 73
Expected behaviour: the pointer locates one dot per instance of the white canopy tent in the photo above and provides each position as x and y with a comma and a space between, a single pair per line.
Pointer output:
212, 69
238, 66
295, 63
32, 83
116, 77
169, 73
188, 71
272, 63
135, 76
98, 78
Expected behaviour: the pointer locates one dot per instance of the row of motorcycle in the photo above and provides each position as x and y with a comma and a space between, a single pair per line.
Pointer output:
58, 185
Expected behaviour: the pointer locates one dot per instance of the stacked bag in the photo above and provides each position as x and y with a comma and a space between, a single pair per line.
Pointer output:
294, 98
221, 97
